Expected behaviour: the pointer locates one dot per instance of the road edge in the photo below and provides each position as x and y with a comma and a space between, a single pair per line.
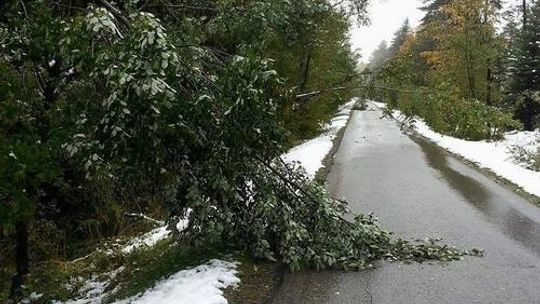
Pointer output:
320, 177
328, 160
504, 182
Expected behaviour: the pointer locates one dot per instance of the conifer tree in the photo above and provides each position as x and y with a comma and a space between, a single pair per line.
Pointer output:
399, 37
433, 10
380, 55
525, 84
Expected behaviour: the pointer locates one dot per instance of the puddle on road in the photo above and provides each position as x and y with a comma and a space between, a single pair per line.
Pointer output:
514, 224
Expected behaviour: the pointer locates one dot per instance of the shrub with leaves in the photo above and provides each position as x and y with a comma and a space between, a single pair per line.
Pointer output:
447, 113
443, 108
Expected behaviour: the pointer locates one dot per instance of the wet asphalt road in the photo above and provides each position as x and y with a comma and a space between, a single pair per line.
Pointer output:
419, 191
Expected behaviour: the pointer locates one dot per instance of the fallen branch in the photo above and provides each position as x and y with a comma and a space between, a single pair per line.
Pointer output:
144, 217
315, 93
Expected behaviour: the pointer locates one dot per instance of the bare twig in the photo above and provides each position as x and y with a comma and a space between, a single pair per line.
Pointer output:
144, 217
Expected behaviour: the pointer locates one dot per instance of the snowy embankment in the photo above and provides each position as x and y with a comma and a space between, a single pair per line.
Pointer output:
203, 284
311, 153
498, 156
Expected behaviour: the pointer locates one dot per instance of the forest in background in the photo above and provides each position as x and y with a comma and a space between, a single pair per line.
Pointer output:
471, 69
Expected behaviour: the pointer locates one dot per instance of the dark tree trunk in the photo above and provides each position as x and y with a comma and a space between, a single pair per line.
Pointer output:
489, 78
472, 84
524, 7
304, 70
21, 258
469, 65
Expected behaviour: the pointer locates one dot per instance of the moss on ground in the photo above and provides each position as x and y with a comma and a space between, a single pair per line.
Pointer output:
259, 280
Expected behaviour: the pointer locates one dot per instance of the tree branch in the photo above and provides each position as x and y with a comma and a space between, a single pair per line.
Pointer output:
315, 93
115, 11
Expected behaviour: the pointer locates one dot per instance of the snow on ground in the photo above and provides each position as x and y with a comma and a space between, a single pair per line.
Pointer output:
93, 290
497, 156
200, 285
152, 237
311, 153
148, 239
203, 284
525, 146
529, 141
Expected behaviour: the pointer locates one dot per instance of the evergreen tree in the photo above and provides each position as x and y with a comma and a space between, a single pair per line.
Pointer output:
399, 37
525, 83
379, 56
433, 10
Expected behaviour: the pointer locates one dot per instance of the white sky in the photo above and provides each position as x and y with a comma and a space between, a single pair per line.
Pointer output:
386, 17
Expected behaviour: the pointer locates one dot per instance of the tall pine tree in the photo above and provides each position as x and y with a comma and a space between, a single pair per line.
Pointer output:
525, 85
380, 55
433, 10
399, 37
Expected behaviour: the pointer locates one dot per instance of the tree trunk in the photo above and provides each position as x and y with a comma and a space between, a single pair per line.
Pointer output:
524, 7
469, 66
489, 78
22, 260
304, 70
472, 82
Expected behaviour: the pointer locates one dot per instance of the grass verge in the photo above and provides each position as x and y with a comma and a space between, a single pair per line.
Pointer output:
259, 281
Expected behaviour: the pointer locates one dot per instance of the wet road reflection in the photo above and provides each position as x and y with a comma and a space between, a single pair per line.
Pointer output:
496, 210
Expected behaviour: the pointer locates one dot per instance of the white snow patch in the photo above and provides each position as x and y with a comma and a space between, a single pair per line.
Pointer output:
93, 290
529, 141
152, 237
311, 153
32, 298
497, 156
203, 284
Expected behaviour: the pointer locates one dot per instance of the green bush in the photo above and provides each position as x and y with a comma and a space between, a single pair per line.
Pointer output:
460, 117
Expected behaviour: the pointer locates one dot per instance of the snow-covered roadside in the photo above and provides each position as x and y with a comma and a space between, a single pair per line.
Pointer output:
311, 153
203, 284
497, 156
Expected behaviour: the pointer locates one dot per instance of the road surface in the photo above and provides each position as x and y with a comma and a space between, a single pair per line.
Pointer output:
418, 190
